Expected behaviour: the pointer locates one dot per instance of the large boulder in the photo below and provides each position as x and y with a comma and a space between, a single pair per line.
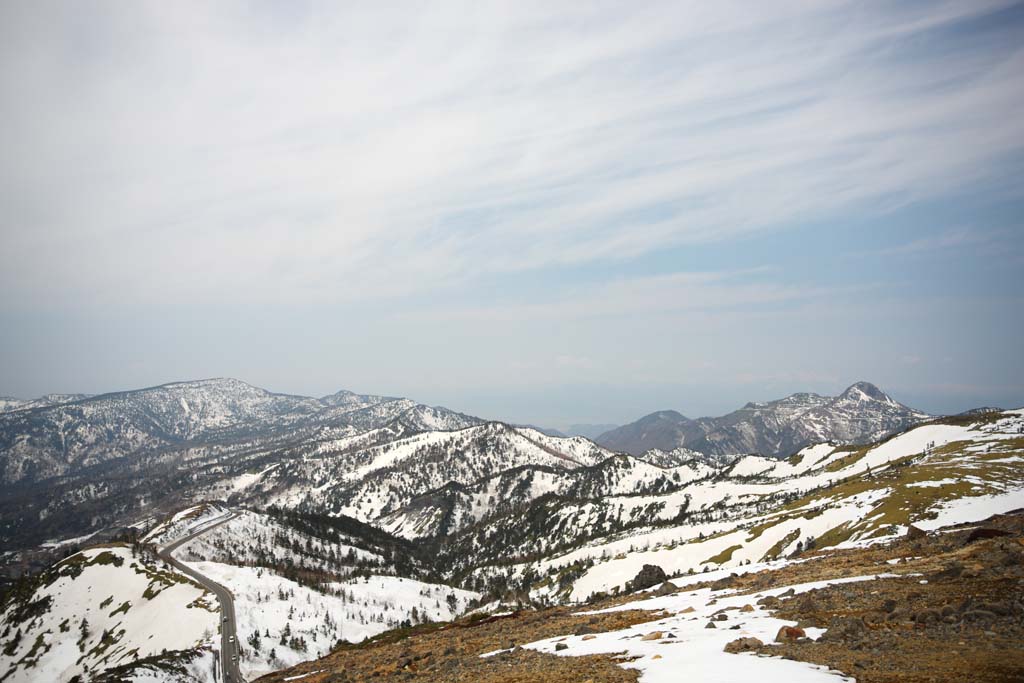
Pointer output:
649, 575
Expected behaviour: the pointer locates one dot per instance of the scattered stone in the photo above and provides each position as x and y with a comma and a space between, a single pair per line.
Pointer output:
560, 647
808, 604
913, 533
722, 616
743, 645
711, 624
979, 615
844, 629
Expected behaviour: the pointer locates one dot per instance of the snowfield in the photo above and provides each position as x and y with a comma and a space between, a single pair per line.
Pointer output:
687, 646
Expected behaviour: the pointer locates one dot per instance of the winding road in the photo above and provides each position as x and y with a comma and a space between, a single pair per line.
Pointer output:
228, 637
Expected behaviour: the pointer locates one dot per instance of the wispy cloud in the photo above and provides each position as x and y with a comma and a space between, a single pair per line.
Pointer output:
171, 152
945, 240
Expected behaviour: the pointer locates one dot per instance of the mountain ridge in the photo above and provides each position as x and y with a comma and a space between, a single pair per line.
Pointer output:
778, 428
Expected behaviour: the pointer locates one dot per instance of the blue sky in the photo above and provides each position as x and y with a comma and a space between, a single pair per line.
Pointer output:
553, 214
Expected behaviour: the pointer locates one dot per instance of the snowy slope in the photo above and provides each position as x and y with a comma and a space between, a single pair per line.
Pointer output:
761, 508
125, 601
370, 482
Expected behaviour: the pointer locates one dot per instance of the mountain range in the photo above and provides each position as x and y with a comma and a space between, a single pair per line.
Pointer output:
861, 414
346, 500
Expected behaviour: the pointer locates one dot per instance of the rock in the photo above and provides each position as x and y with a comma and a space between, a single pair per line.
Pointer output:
589, 637
889, 604
788, 634
560, 647
769, 601
927, 616
747, 608
654, 635
688, 610
724, 582
953, 571
743, 645
788, 594
667, 588
999, 608
898, 615
721, 617
711, 624
649, 575
842, 629
979, 615
982, 533
808, 604
913, 533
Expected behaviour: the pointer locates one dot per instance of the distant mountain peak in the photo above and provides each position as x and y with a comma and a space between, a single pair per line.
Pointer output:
862, 413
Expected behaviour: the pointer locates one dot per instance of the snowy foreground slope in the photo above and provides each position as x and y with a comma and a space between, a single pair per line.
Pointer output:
107, 607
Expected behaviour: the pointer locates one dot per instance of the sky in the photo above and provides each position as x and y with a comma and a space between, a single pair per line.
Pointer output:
542, 212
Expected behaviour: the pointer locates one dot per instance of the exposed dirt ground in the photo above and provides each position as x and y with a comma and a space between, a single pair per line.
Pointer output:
956, 612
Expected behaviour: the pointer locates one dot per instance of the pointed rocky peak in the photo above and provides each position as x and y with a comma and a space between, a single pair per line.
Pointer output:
864, 391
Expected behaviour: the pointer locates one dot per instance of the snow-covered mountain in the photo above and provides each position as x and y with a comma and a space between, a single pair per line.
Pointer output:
861, 414
8, 403
51, 440
454, 507
74, 468
373, 481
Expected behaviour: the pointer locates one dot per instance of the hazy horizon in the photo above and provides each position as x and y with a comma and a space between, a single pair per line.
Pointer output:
541, 213
603, 402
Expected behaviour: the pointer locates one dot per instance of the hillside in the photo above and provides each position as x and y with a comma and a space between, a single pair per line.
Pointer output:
941, 606
753, 510
107, 607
